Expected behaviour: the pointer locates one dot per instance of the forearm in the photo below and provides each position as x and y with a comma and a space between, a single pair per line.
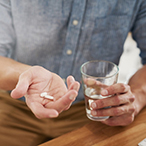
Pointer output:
9, 72
138, 88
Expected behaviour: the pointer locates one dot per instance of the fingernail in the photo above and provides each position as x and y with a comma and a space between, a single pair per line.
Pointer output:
93, 104
71, 79
71, 97
104, 92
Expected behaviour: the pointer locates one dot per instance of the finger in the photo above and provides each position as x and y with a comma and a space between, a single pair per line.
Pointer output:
74, 86
70, 80
115, 89
41, 112
90, 81
94, 83
115, 100
63, 102
114, 111
123, 120
22, 85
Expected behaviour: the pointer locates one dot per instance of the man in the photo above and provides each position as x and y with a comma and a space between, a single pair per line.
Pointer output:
58, 36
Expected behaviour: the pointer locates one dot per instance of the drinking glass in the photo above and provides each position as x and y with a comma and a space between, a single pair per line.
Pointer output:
97, 75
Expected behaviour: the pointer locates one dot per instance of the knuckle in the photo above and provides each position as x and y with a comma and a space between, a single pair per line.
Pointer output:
101, 104
128, 87
116, 112
123, 87
132, 109
132, 98
117, 99
111, 89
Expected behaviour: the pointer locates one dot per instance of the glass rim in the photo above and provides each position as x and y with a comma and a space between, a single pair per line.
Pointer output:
99, 61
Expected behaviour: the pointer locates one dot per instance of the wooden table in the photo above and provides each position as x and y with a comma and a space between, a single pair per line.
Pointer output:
98, 134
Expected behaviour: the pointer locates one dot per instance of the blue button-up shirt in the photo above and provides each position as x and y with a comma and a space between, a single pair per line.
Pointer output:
60, 35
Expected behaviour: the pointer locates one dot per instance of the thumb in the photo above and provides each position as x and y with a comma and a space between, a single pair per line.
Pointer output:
22, 86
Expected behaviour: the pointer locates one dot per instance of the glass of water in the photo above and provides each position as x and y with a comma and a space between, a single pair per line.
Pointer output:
97, 75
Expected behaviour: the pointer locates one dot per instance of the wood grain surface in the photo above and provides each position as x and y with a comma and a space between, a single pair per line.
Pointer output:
98, 134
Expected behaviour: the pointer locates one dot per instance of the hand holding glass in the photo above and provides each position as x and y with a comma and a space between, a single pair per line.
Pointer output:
97, 75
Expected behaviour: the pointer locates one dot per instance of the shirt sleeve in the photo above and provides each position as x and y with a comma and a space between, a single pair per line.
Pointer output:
7, 33
139, 31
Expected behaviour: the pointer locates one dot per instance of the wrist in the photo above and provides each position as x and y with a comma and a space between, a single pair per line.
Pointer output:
140, 100
10, 72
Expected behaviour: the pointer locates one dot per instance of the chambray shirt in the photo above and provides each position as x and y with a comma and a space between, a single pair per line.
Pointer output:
60, 35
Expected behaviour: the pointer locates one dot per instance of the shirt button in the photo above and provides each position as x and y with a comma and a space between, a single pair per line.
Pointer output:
69, 52
75, 22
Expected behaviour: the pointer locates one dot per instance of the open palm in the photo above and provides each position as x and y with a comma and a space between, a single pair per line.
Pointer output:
37, 80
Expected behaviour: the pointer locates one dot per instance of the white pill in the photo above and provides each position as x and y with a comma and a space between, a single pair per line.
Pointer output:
49, 97
43, 94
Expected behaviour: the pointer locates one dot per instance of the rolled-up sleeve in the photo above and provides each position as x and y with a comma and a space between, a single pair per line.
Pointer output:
7, 33
139, 31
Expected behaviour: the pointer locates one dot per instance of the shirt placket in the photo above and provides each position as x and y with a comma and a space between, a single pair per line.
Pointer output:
72, 36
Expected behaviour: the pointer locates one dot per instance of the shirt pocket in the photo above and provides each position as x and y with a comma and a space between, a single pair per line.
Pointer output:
108, 36
106, 8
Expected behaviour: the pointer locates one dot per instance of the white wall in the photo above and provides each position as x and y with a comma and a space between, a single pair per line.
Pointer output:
130, 60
